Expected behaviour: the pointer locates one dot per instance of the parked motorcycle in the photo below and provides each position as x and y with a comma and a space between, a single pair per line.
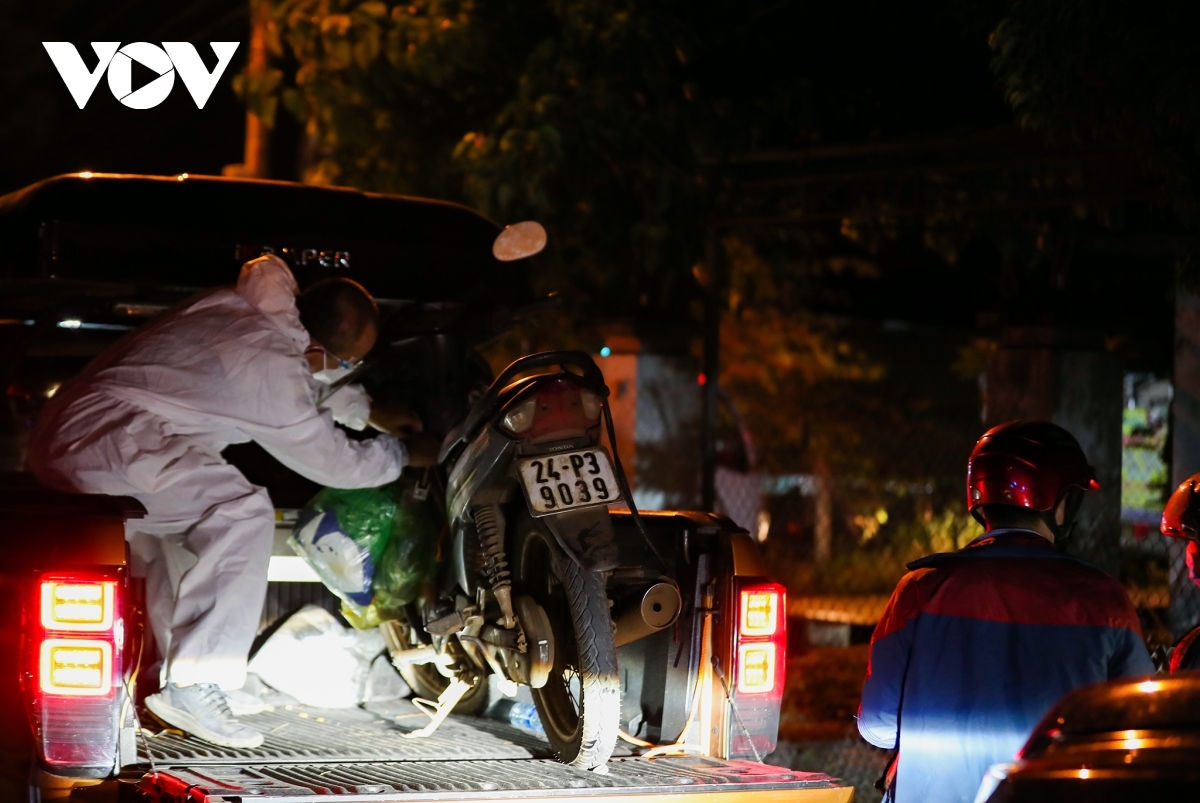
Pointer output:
524, 585
523, 596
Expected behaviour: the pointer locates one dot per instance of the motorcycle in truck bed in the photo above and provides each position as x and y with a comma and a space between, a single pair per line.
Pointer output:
698, 639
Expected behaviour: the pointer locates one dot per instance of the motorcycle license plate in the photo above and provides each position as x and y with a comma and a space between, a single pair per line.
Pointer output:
568, 480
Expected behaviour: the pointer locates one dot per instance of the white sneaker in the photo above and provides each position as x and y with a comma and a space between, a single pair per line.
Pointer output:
243, 703
203, 711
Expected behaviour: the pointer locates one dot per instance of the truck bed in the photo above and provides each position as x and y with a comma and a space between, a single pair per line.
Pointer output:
363, 754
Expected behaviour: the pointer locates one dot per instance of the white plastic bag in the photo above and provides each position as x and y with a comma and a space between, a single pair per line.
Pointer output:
317, 660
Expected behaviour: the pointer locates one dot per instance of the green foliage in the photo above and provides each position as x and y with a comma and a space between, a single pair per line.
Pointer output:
1112, 72
875, 568
814, 388
848, 572
774, 362
608, 123
946, 531
383, 90
639, 133
617, 126
598, 142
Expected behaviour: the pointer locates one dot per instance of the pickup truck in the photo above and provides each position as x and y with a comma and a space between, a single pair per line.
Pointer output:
87, 257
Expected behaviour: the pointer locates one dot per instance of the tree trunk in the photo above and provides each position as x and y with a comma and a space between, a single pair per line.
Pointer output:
823, 524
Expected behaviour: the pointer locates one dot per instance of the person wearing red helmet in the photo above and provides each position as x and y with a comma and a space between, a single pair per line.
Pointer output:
1181, 519
976, 645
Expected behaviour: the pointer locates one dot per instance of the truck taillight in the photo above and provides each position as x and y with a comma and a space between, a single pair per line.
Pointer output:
76, 666
79, 638
78, 606
761, 637
756, 668
759, 664
76, 652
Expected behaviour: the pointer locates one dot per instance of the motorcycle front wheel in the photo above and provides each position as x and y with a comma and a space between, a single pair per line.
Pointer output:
580, 703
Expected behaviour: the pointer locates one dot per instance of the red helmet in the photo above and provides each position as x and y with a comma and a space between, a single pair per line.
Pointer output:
1027, 464
1181, 516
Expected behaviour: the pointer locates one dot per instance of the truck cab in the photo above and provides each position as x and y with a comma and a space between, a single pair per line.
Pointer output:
88, 258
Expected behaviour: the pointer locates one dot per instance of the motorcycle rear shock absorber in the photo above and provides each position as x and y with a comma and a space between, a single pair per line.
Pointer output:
489, 525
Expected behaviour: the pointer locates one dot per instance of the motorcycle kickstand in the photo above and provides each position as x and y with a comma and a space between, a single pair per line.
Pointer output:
438, 711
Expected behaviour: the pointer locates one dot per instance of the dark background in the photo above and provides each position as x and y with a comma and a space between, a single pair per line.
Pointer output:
44, 133
878, 72
899, 93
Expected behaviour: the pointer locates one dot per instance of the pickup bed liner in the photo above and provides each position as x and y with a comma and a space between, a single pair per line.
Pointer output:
362, 754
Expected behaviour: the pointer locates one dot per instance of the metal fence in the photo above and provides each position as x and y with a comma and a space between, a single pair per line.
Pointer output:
844, 575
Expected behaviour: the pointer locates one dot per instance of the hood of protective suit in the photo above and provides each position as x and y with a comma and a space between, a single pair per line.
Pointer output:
267, 283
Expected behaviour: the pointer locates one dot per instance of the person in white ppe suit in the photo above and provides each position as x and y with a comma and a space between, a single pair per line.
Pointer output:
149, 417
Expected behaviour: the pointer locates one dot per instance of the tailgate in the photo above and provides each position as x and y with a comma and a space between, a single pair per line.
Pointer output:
363, 754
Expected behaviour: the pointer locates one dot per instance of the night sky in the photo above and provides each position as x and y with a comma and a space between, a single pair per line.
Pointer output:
45, 133
866, 70
864, 73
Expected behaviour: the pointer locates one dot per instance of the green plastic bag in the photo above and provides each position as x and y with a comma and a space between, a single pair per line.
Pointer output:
372, 547
341, 534
409, 558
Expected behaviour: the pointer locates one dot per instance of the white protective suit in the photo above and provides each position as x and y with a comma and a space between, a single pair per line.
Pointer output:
148, 418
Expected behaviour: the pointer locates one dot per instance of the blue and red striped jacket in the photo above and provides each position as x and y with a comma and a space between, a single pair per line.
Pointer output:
975, 646
1186, 652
